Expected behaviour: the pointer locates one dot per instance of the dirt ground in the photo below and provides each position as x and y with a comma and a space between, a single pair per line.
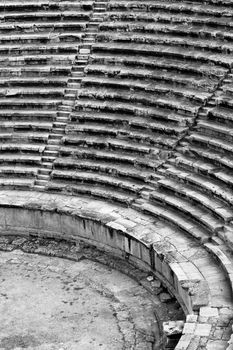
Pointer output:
52, 303
88, 301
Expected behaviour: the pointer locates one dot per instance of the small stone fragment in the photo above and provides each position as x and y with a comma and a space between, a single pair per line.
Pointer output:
172, 328
165, 297
150, 278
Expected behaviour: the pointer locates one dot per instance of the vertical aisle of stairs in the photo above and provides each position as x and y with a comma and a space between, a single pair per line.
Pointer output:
74, 82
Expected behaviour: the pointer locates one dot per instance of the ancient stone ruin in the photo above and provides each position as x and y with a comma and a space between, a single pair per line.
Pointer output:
116, 139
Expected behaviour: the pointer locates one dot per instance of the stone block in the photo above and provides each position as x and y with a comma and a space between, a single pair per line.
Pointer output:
184, 342
146, 254
167, 272
216, 345
194, 344
199, 292
171, 328
207, 311
179, 274
191, 318
203, 330
157, 262
189, 328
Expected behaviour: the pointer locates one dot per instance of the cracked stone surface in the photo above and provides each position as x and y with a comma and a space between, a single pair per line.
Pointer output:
52, 303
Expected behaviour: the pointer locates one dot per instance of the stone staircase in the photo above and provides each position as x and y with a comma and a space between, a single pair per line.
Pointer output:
38, 44
64, 110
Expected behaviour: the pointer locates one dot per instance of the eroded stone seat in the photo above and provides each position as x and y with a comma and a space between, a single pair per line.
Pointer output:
93, 191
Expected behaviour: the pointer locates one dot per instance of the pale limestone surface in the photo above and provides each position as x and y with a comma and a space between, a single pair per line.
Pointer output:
51, 303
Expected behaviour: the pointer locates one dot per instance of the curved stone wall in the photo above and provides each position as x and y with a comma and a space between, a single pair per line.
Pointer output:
126, 105
188, 270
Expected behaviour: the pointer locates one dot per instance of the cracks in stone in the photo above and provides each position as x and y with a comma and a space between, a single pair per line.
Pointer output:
194, 124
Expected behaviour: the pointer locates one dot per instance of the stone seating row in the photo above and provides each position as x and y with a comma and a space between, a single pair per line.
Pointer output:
184, 7
193, 67
209, 186
19, 164
111, 144
135, 91
42, 26
85, 108
102, 167
196, 203
174, 218
206, 153
169, 39
197, 197
81, 177
22, 16
174, 18
31, 103
39, 42
113, 108
161, 26
165, 51
35, 49
34, 60
155, 74
32, 5
113, 156
161, 87
99, 192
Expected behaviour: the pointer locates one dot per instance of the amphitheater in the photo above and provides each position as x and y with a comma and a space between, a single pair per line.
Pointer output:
116, 166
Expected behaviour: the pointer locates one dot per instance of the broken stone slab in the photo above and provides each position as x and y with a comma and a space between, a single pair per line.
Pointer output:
199, 292
151, 284
172, 328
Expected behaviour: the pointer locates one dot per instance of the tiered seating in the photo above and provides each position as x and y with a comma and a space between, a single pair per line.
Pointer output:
197, 183
154, 65
38, 44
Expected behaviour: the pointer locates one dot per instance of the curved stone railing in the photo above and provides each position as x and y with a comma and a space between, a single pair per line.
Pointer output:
187, 269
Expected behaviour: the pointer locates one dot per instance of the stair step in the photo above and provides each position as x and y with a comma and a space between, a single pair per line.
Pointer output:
44, 171
58, 131
47, 165
63, 119
43, 177
75, 84
55, 136
65, 108
51, 148
59, 124
38, 187
53, 142
48, 158
89, 40
50, 152
41, 182
78, 69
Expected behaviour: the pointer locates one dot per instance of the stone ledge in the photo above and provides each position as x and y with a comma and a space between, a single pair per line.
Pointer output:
113, 228
223, 259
